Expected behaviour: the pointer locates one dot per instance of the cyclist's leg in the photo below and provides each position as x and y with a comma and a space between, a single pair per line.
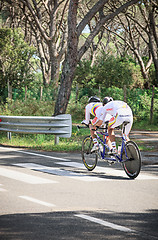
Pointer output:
108, 142
114, 122
95, 122
128, 126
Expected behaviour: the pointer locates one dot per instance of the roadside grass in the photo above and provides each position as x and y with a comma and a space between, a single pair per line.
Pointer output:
145, 126
146, 147
47, 142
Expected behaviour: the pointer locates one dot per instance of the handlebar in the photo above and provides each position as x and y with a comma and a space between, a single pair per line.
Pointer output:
86, 126
82, 127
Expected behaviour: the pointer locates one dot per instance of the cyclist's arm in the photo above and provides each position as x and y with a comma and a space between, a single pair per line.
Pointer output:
87, 114
97, 124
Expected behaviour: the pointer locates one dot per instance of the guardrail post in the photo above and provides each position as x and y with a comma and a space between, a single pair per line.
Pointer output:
9, 135
56, 140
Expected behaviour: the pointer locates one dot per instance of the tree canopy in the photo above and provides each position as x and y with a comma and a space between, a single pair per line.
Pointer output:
16, 59
55, 29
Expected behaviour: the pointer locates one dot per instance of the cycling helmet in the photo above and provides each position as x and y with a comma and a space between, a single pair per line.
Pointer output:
93, 99
106, 100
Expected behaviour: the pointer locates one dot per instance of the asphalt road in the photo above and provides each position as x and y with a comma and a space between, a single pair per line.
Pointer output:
46, 195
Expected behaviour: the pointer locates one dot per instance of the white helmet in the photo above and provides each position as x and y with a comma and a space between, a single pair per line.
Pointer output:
106, 100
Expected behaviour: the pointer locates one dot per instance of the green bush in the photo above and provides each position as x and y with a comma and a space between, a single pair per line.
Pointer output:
76, 109
139, 100
30, 107
114, 92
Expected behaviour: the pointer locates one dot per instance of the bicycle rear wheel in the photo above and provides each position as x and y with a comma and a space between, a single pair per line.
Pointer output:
133, 165
89, 159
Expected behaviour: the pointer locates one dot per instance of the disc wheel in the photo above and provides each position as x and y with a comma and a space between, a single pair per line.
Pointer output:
89, 159
133, 165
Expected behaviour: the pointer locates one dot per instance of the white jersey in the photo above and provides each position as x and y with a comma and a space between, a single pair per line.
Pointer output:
120, 112
92, 109
112, 108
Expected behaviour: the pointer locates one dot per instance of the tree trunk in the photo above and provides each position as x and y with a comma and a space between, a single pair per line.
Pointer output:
153, 41
125, 93
44, 62
152, 105
9, 90
70, 62
25, 93
77, 91
142, 65
41, 93
73, 55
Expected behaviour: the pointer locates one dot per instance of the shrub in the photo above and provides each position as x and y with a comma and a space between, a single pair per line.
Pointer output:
29, 107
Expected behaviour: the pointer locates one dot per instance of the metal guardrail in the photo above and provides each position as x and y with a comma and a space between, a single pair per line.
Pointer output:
60, 125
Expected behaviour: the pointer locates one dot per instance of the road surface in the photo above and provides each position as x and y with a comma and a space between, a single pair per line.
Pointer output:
46, 195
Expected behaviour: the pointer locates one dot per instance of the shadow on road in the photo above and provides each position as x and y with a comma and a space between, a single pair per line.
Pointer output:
65, 225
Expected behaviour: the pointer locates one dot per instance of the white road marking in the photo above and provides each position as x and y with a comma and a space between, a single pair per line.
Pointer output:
105, 223
27, 178
32, 166
72, 164
45, 156
35, 154
37, 201
9, 156
2, 190
59, 172
153, 166
109, 170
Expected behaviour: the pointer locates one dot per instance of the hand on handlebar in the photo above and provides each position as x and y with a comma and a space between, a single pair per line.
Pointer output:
92, 127
84, 122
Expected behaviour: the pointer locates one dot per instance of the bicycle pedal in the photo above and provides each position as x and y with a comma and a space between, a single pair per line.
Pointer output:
95, 151
112, 153
111, 162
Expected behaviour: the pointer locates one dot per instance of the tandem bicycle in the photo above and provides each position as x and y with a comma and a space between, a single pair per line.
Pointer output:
128, 155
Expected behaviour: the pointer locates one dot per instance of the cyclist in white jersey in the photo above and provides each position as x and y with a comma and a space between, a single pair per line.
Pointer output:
119, 112
94, 107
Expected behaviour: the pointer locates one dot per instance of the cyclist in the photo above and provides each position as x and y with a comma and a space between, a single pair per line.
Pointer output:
119, 112
93, 107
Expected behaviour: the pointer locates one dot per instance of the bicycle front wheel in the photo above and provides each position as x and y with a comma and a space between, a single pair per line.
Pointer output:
89, 159
133, 164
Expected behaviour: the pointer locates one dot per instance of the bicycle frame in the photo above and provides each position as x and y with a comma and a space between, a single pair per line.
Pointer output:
115, 157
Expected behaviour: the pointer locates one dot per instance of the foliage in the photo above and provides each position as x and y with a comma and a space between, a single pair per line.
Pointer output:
34, 92
16, 59
84, 76
114, 92
116, 71
138, 99
76, 109
84, 72
108, 71
31, 107
152, 75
